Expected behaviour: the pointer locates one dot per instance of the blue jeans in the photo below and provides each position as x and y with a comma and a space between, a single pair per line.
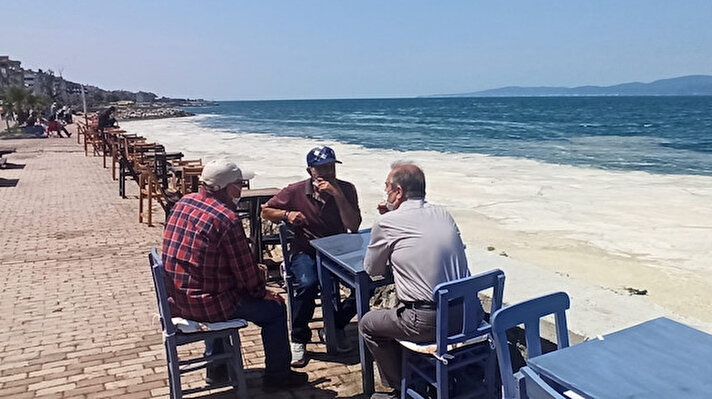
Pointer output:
272, 318
302, 270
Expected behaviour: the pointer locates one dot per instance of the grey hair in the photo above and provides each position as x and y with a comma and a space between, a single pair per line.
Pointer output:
409, 177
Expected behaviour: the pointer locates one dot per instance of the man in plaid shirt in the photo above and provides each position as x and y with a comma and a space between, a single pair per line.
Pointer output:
211, 276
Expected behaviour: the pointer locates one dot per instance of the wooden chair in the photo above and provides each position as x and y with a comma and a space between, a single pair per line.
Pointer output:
150, 189
189, 177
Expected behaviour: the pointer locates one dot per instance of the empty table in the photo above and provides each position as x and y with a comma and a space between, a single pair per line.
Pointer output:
660, 358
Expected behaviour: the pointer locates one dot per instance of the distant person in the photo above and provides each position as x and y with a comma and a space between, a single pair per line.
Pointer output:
53, 125
68, 117
211, 276
53, 109
319, 206
421, 244
106, 118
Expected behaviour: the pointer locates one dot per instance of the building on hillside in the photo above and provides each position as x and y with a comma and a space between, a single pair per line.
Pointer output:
29, 79
11, 73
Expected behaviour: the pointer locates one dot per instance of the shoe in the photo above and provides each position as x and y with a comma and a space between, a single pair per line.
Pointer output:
342, 343
386, 395
216, 374
278, 382
299, 355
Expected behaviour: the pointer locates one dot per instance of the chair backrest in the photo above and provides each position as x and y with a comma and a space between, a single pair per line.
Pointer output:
528, 313
537, 388
464, 292
159, 283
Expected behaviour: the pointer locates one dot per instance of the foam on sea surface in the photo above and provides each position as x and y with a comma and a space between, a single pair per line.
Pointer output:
614, 230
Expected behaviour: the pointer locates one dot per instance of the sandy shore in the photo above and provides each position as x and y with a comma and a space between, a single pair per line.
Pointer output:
596, 234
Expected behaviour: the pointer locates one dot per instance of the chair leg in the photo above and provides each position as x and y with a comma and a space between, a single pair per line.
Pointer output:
443, 382
140, 199
405, 374
173, 369
237, 366
491, 375
150, 202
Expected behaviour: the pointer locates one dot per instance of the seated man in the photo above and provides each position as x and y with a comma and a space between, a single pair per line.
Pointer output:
210, 274
106, 118
422, 244
319, 206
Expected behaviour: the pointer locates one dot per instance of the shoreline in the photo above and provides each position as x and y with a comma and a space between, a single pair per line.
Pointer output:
599, 235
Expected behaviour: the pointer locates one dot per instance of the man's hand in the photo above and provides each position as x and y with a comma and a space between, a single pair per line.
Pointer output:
382, 208
296, 218
326, 186
271, 295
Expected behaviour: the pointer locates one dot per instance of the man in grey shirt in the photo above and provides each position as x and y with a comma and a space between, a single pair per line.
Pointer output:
422, 245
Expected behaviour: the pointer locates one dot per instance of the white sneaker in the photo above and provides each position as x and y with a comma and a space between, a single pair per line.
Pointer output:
299, 355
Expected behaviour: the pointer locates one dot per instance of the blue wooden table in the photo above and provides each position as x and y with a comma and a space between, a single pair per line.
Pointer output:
341, 257
660, 358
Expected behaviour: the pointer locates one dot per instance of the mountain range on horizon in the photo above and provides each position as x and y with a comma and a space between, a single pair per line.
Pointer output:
692, 85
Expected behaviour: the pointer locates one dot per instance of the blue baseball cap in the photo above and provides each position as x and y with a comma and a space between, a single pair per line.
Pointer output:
321, 155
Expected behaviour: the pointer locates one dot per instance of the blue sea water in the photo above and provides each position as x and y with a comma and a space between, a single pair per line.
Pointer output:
670, 135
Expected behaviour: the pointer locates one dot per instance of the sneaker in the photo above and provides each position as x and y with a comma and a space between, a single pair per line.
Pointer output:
216, 374
342, 343
299, 355
293, 379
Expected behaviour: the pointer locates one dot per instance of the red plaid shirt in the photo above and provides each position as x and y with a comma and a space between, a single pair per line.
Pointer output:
209, 267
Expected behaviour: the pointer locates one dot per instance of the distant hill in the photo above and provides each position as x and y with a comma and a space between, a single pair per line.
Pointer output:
693, 85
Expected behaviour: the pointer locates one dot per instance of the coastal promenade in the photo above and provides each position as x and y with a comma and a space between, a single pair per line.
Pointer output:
78, 315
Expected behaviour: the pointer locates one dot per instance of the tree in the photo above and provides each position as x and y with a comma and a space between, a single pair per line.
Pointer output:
13, 100
20, 100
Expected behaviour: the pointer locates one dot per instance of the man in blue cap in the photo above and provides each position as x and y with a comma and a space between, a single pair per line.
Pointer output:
319, 206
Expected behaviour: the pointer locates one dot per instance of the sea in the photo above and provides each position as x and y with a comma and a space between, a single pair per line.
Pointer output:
629, 176
668, 135
598, 192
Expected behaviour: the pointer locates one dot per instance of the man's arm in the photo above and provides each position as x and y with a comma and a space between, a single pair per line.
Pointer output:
249, 278
350, 215
346, 202
378, 252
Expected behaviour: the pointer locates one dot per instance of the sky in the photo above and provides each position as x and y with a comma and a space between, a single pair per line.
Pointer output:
257, 50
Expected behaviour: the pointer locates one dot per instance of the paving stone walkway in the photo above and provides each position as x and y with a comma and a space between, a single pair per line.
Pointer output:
77, 306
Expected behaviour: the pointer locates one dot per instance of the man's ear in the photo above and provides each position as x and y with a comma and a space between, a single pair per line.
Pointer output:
309, 171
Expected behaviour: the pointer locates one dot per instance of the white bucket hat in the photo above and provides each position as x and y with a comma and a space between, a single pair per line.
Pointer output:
219, 173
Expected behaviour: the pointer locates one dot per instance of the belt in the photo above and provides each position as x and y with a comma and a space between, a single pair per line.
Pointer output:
420, 305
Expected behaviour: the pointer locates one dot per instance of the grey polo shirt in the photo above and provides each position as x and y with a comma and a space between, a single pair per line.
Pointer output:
422, 244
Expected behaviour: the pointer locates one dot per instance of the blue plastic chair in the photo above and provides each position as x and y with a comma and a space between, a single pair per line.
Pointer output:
437, 363
528, 313
536, 387
178, 331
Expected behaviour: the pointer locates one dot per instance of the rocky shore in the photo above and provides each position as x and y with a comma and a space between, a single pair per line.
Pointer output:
153, 111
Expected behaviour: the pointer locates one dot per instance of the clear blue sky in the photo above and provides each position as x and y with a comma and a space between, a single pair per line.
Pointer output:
368, 48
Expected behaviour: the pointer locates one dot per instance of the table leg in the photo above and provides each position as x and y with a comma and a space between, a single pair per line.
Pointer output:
362, 306
257, 220
326, 281
122, 180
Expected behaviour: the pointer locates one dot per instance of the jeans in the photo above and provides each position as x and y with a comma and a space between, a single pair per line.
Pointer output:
271, 316
302, 271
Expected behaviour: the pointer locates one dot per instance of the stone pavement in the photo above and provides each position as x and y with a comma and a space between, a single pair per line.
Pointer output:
77, 306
